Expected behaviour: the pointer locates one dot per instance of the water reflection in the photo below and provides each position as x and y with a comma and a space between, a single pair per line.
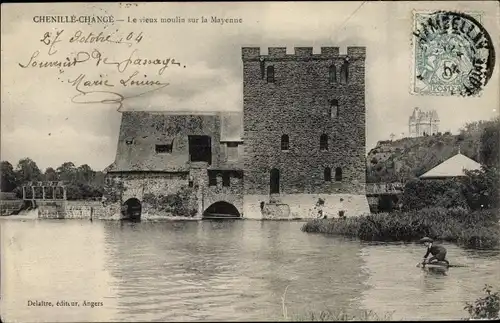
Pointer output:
231, 270
223, 270
415, 293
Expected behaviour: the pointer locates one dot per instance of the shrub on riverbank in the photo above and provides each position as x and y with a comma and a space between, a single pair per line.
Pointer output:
478, 229
487, 307
483, 308
332, 316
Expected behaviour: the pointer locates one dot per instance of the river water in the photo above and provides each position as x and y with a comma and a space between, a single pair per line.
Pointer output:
222, 270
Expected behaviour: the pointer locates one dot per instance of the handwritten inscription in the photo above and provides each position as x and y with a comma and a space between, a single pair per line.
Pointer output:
108, 86
99, 59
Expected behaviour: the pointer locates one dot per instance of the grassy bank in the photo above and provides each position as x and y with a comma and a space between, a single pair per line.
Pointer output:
477, 229
483, 308
332, 316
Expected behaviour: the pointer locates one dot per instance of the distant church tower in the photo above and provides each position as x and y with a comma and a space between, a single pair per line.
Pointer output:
423, 123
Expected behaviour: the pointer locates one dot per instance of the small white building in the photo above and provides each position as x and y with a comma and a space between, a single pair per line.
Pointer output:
452, 167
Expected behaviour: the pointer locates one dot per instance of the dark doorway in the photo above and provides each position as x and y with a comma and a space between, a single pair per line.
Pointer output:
132, 209
221, 210
200, 149
274, 183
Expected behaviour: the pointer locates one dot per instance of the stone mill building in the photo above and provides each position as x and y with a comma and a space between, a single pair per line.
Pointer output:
301, 152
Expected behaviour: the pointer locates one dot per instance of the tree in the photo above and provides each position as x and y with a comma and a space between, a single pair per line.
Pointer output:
84, 174
50, 174
9, 178
482, 188
67, 172
27, 171
490, 141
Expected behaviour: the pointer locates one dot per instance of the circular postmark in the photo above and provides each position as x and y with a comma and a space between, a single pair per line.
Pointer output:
454, 54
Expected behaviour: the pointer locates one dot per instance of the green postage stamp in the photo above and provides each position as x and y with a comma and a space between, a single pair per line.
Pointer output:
453, 54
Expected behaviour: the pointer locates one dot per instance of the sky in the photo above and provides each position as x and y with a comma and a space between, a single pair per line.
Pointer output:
40, 120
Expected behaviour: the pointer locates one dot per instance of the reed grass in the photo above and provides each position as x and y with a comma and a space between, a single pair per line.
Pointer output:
329, 316
478, 229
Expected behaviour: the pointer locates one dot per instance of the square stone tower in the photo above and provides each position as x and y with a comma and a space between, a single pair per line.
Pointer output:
304, 130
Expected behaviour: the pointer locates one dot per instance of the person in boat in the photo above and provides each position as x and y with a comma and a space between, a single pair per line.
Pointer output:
438, 252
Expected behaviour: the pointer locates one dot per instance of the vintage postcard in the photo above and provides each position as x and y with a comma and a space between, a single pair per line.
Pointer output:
250, 161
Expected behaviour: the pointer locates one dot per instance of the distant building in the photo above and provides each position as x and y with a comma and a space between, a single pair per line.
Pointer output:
423, 123
452, 167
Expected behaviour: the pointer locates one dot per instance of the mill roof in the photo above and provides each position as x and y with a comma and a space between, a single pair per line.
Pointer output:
452, 167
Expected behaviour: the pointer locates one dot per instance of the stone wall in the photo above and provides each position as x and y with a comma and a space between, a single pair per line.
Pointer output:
232, 194
153, 190
141, 131
71, 210
298, 104
304, 206
8, 207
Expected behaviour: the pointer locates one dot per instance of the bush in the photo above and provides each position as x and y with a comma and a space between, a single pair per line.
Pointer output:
419, 194
486, 307
341, 315
481, 188
478, 229
182, 203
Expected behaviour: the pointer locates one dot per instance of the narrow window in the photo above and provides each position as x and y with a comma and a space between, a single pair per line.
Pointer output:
285, 143
226, 180
270, 74
338, 174
323, 142
327, 174
332, 74
344, 72
212, 178
334, 108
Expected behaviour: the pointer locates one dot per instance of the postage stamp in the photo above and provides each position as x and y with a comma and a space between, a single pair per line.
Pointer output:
453, 54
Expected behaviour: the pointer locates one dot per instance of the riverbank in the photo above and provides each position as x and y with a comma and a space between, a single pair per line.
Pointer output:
483, 308
470, 229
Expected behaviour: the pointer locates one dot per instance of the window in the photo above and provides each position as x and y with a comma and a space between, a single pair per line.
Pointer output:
323, 142
327, 174
285, 142
332, 74
129, 141
226, 180
344, 72
338, 174
270, 74
164, 148
212, 178
334, 108
200, 149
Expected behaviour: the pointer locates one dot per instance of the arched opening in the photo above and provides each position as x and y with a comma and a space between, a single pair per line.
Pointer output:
132, 209
270, 74
332, 75
338, 174
334, 108
221, 209
274, 181
344, 72
327, 174
285, 142
323, 142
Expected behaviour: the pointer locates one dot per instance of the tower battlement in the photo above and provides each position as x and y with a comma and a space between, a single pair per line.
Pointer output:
255, 53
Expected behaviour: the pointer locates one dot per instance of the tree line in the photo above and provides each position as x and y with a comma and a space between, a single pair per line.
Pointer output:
81, 182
